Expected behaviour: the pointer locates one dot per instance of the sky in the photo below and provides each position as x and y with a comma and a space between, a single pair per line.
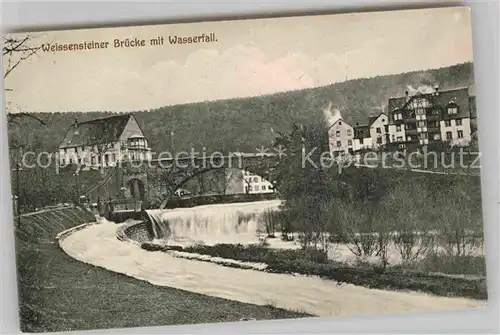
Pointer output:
251, 57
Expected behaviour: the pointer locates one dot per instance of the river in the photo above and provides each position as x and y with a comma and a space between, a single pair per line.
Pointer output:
98, 245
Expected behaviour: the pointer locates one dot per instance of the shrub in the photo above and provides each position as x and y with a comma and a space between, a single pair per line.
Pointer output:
459, 265
158, 247
259, 253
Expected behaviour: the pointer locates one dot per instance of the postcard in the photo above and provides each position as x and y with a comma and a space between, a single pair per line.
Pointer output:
250, 169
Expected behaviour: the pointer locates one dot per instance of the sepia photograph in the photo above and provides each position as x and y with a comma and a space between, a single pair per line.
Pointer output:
245, 170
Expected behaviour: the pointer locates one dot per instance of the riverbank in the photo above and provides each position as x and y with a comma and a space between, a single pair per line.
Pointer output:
99, 246
60, 293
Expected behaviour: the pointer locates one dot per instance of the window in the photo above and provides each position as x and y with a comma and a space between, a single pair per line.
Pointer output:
339, 144
337, 133
435, 112
452, 110
460, 134
398, 116
63, 161
447, 123
393, 138
421, 124
383, 120
434, 124
398, 128
458, 122
349, 132
93, 160
113, 158
256, 179
263, 187
340, 123
256, 188
349, 142
400, 138
420, 111
408, 138
379, 131
423, 136
361, 141
449, 136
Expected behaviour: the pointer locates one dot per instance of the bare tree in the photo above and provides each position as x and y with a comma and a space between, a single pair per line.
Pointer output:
16, 51
406, 215
356, 223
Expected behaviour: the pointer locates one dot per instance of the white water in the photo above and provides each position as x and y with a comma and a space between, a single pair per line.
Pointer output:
99, 246
212, 224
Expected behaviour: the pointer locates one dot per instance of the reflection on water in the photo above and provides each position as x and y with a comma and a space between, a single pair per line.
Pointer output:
211, 224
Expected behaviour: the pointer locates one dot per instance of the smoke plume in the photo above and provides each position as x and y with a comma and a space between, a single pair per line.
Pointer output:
412, 90
331, 114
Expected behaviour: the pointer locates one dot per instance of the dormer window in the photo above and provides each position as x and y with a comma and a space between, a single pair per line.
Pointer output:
452, 110
398, 116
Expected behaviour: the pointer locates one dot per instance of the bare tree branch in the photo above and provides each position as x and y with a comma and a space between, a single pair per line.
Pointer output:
11, 118
17, 51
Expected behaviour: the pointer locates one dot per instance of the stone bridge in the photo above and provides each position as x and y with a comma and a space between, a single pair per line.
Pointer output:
175, 172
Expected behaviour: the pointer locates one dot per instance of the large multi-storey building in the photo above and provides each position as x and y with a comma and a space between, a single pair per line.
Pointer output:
104, 142
431, 117
419, 120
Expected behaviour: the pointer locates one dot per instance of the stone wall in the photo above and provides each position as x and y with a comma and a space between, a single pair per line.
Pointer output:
135, 232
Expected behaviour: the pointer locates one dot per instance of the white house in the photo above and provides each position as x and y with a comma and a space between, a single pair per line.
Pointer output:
104, 142
254, 184
341, 138
362, 138
397, 133
379, 130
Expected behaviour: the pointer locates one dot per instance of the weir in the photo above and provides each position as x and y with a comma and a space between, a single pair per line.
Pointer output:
158, 229
211, 224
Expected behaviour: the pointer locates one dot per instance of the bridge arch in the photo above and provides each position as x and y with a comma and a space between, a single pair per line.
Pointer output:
183, 181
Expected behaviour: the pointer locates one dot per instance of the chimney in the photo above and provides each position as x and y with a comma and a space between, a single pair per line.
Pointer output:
407, 95
436, 89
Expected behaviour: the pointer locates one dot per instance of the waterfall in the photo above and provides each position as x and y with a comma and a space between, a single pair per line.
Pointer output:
158, 229
210, 224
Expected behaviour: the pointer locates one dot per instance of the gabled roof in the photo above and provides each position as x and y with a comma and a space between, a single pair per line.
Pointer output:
459, 96
336, 122
98, 131
396, 103
361, 131
372, 119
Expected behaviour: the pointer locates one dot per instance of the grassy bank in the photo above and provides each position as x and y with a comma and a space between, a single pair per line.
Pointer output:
313, 262
59, 293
